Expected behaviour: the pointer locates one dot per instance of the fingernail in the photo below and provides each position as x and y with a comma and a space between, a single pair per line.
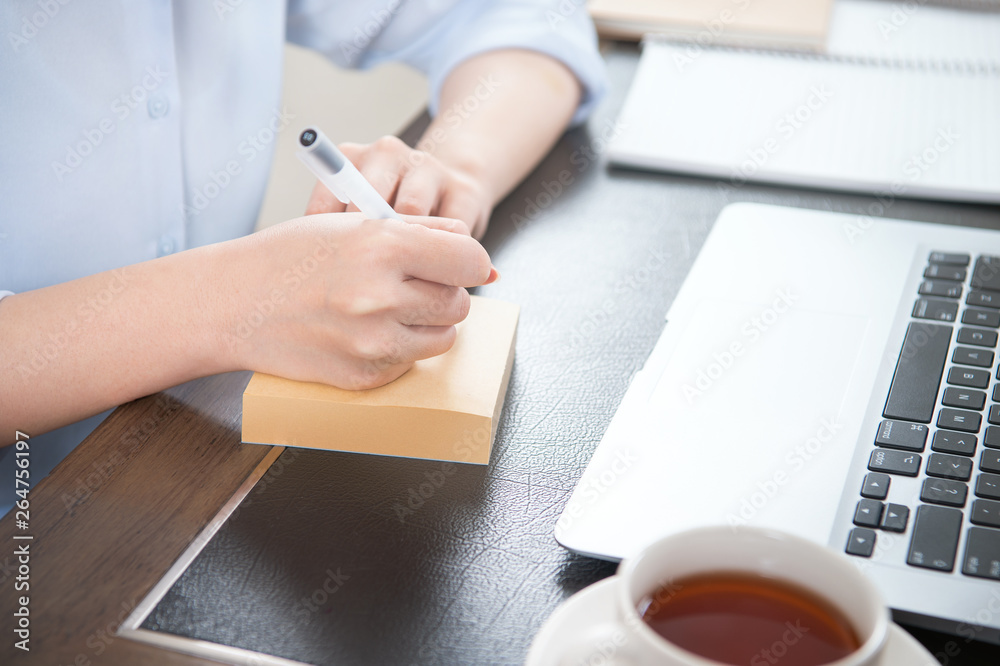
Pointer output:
494, 275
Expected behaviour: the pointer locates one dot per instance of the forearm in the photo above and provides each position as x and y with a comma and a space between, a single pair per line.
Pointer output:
78, 348
500, 114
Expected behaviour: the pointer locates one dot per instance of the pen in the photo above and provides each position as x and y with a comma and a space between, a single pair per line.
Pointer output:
341, 177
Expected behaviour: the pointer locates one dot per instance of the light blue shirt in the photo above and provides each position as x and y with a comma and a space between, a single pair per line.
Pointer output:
131, 130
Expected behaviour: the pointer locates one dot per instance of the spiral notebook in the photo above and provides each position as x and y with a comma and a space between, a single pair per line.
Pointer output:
911, 114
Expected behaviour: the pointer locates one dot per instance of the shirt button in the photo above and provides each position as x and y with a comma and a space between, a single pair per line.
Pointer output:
165, 246
158, 106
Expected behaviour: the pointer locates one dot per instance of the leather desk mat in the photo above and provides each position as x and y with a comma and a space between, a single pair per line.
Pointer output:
351, 559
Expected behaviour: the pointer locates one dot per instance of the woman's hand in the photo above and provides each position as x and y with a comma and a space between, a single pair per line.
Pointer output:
351, 302
414, 183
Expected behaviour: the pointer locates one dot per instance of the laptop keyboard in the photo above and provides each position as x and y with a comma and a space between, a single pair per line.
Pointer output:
947, 367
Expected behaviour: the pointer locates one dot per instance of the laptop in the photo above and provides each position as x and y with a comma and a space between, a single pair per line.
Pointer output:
829, 375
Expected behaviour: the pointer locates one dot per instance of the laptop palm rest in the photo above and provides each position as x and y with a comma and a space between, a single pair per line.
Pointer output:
747, 414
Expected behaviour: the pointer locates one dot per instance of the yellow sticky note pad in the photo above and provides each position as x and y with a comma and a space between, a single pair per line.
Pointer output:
443, 408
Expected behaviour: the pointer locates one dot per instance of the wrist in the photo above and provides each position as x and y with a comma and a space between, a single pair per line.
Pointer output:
218, 289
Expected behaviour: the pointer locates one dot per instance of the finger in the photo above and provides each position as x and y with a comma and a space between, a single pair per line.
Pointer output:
443, 257
461, 204
409, 344
383, 165
442, 223
431, 341
419, 192
432, 304
322, 200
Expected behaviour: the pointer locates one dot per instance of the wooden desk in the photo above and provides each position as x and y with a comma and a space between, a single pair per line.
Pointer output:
595, 257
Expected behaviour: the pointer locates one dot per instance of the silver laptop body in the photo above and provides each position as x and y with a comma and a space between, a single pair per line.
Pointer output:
763, 398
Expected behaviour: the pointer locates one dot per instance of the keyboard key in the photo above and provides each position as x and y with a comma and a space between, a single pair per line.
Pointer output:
875, 485
971, 377
982, 553
954, 442
949, 467
918, 373
942, 491
994, 415
984, 299
986, 274
943, 288
894, 518
989, 461
996, 392
988, 486
977, 336
861, 542
894, 462
956, 419
981, 317
936, 309
960, 397
981, 358
944, 272
953, 258
901, 435
992, 438
935, 538
985, 512
868, 513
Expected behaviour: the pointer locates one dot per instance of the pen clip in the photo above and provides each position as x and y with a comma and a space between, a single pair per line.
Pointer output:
332, 185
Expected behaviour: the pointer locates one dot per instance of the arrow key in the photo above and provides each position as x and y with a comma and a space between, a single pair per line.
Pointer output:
894, 518
861, 542
868, 513
875, 486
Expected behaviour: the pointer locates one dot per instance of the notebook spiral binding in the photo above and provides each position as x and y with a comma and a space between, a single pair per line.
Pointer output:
956, 66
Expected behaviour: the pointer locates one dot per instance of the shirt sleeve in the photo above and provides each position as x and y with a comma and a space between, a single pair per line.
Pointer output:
5, 294
560, 29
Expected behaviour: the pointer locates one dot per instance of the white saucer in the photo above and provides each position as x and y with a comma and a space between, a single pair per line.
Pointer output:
596, 605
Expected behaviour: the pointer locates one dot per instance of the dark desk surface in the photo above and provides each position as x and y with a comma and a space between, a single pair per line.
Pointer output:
332, 559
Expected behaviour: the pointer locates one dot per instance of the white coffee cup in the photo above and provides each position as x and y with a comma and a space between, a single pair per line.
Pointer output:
629, 640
